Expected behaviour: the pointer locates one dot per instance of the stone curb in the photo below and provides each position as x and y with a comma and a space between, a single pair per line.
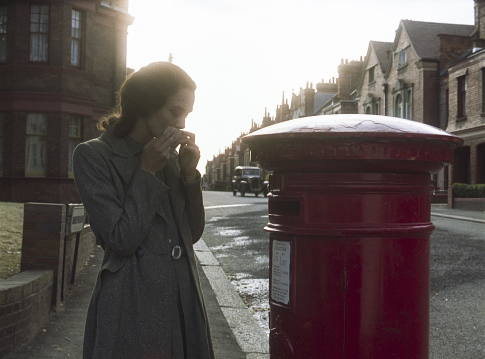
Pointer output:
252, 339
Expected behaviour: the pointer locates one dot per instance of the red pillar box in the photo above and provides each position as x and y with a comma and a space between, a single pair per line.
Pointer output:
349, 224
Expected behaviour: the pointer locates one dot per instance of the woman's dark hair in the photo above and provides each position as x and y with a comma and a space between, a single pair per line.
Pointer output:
144, 92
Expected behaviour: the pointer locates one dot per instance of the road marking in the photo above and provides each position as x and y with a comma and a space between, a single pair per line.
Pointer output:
227, 205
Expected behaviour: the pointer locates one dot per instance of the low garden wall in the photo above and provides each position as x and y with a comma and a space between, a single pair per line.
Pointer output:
54, 249
467, 197
25, 303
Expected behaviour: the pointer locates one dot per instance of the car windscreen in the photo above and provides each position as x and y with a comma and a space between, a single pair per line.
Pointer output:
251, 173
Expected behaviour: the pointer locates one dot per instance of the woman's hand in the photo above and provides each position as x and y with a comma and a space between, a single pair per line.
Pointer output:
156, 153
189, 155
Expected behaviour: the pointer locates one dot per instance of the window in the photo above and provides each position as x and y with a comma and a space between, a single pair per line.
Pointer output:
402, 95
371, 75
39, 32
2, 134
76, 38
398, 106
74, 138
408, 104
402, 58
36, 145
376, 108
461, 97
3, 33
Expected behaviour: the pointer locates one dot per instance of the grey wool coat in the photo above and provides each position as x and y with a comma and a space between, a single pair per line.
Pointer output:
130, 312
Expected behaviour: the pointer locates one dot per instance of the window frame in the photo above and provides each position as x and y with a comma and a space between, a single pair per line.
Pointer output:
32, 55
372, 77
398, 106
80, 39
405, 92
28, 135
74, 140
3, 33
408, 104
402, 57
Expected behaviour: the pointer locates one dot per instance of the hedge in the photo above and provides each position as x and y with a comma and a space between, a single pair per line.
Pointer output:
463, 190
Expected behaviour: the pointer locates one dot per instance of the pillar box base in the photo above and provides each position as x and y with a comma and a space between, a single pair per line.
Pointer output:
350, 224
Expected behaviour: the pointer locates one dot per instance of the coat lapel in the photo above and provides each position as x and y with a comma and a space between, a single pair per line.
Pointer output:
123, 160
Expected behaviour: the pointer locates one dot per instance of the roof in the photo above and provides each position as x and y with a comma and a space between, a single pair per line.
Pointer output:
424, 35
381, 50
321, 99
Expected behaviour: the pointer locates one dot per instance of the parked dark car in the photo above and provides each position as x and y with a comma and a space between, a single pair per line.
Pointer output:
249, 180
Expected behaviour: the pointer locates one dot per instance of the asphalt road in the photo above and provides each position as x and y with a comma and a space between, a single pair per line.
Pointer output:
235, 235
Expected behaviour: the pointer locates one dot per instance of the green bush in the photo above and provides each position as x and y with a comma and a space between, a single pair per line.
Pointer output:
463, 190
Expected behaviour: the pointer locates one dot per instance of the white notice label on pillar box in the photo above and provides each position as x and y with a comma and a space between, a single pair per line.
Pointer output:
280, 272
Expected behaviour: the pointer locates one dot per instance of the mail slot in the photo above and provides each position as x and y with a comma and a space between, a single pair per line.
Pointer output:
349, 230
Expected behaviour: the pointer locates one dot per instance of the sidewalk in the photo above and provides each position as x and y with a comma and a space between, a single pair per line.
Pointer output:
62, 336
235, 332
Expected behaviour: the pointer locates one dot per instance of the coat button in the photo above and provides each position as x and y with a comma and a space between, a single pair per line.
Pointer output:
140, 252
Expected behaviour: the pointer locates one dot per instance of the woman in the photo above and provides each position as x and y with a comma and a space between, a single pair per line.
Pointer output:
145, 207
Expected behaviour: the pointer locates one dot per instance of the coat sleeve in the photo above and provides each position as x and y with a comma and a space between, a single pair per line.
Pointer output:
195, 208
122, 222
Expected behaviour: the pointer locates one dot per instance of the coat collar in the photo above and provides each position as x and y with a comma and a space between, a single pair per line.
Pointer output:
121, 156
118, 145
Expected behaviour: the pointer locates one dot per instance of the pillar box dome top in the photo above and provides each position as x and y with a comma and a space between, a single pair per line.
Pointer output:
352, 143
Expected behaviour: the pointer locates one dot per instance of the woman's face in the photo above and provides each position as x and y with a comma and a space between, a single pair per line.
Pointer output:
173, 113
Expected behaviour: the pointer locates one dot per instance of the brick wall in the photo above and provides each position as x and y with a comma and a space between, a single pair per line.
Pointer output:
43, 241
472, 127
25, 302
58, 90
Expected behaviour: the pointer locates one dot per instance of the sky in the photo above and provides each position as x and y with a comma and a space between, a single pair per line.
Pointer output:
244, 54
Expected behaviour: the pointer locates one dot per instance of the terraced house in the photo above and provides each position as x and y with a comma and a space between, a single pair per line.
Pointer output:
61, 64
463, 104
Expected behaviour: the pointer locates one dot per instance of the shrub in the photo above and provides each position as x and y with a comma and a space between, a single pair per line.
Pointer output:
463, 190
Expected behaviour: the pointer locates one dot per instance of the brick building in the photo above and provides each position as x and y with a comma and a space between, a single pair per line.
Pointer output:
61, 64
463, 104
372, 86
401, 79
